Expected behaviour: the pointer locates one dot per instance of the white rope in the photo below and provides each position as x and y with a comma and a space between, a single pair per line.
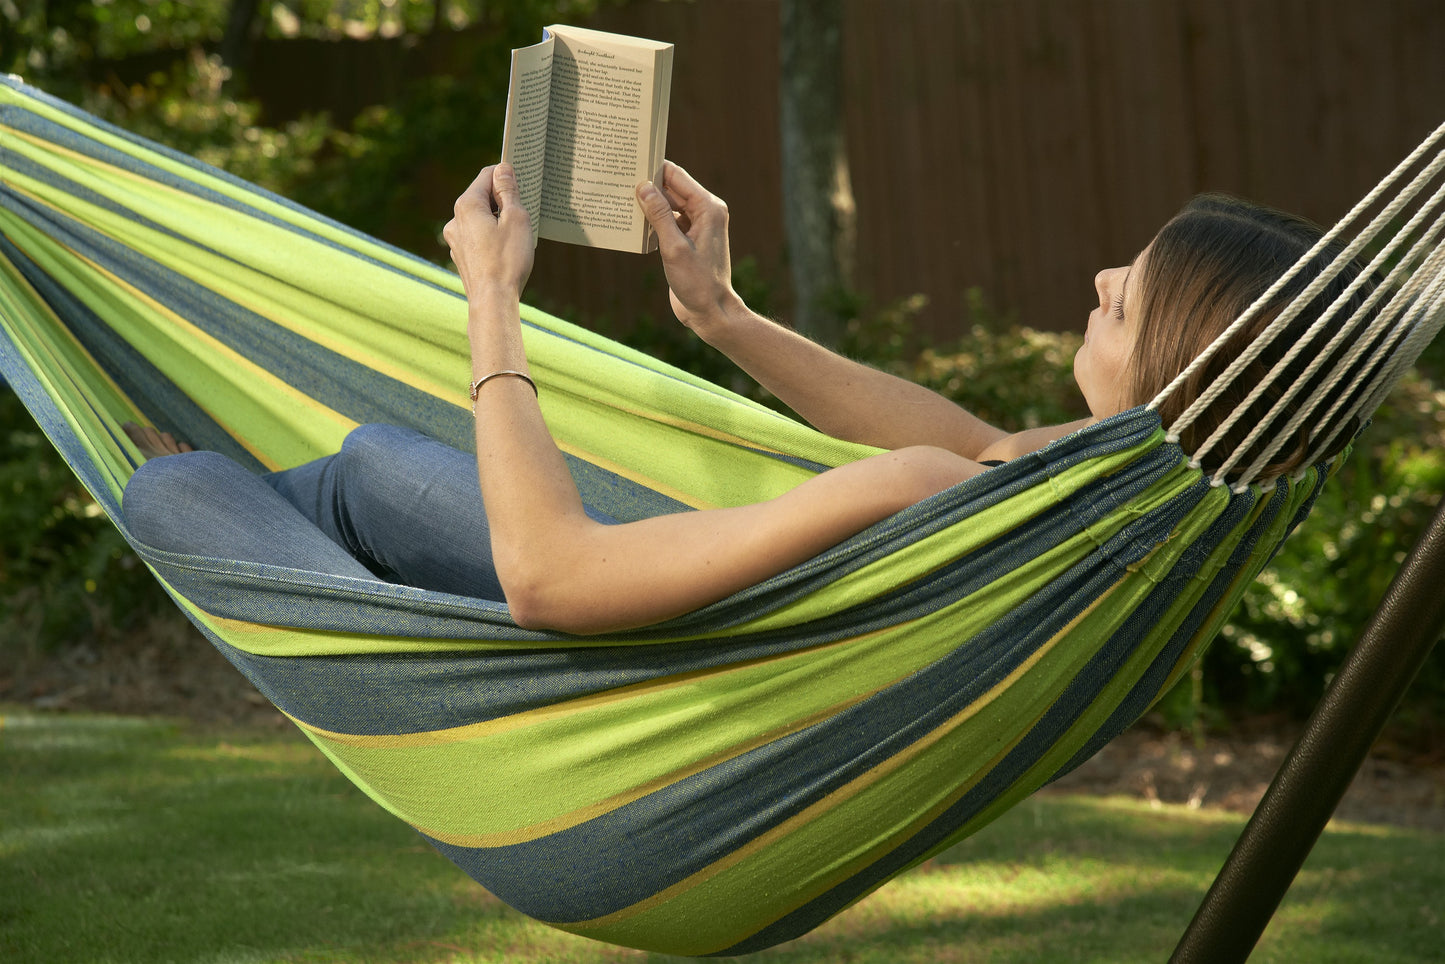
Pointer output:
1396, 332
1383, 337
1367, 235
1431, 318
1296, 386
1431, 322
1292, 311
1362, 316
1405, 342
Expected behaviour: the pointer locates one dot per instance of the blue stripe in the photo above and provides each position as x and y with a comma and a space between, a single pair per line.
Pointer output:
140, 381
1082, 691
24, 383
336, 381
1149, 688
683, 828
22, 119
407, 694
24, 165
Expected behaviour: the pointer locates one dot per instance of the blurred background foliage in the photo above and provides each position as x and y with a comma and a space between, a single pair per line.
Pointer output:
153, 67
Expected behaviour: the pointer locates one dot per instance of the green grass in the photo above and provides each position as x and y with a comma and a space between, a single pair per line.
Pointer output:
145, 841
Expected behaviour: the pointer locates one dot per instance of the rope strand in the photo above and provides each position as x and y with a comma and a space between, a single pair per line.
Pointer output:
1394, 323
1361, 317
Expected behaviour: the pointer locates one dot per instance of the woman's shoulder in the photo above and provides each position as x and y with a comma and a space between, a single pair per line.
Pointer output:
1012, 446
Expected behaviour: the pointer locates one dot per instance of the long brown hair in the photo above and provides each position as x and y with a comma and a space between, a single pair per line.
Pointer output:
1203, 269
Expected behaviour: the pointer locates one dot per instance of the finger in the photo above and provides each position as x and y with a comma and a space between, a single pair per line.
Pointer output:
659, 213
171, 442
482, 183
694, 202
477, 194
504, 186
681, 185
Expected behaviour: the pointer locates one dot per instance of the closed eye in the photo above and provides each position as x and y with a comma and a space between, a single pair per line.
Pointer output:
1119, 306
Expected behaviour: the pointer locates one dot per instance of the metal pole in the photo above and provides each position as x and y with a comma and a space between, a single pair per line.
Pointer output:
1318, 770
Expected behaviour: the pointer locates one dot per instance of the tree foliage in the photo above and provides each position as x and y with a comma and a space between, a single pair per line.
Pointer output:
154, 67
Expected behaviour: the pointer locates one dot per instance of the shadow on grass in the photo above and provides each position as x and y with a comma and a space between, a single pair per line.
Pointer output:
125, 840
1078, 879
128, 840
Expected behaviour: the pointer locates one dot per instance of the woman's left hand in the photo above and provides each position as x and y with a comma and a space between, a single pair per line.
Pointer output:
491, 234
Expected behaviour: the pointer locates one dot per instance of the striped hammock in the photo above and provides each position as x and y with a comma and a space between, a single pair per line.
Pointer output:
712, 785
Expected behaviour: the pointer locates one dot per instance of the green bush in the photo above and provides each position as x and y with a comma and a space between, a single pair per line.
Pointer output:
1007, 375
66, 575
1300, 618
189, 108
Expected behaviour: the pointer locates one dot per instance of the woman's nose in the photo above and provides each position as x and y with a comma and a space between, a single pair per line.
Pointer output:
1103, 282
1101, 286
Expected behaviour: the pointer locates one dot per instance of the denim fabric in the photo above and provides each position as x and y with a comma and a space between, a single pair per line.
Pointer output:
205, 504
391, 503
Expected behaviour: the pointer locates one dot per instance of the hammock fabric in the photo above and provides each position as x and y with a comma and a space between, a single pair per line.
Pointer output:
713, 785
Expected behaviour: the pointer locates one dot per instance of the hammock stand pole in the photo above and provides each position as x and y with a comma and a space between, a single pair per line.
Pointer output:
1319, 768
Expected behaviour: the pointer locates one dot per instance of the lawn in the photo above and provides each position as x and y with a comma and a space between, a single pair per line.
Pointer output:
142, 840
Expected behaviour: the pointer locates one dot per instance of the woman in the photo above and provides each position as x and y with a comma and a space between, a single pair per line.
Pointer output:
405, 507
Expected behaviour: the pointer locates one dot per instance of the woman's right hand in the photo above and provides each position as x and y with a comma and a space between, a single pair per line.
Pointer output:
491, 235
692, 237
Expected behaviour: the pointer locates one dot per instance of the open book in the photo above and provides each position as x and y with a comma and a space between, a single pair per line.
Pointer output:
586, 123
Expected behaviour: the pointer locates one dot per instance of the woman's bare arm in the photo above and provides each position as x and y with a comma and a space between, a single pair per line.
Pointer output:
561, 570
837, 395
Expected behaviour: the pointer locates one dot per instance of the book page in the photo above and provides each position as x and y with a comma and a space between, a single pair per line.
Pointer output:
524, 137
599, 142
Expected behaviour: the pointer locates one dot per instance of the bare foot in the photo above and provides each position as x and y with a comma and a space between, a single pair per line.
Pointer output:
154, 444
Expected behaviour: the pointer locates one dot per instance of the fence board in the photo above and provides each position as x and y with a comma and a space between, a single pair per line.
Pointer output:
1020, 145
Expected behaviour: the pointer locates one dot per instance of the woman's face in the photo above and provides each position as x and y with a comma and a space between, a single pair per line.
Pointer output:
1101, 364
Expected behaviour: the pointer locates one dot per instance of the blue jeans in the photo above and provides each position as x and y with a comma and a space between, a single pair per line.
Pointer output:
391, 504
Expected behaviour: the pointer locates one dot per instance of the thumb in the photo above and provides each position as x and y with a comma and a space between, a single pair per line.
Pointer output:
504, 186
658, 212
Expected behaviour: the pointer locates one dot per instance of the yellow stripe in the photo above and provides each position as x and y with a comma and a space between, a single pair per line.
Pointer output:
568, 820
672, 492
598, 394
246, 195
564, 820
91, 393
276, 393
842, 795
205, 274
250, 297
267, 390
576, 707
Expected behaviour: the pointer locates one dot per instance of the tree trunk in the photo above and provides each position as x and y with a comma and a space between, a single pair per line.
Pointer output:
236, 42
818, 210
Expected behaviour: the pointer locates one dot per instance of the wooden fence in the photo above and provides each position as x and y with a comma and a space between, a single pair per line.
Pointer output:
1020, 145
